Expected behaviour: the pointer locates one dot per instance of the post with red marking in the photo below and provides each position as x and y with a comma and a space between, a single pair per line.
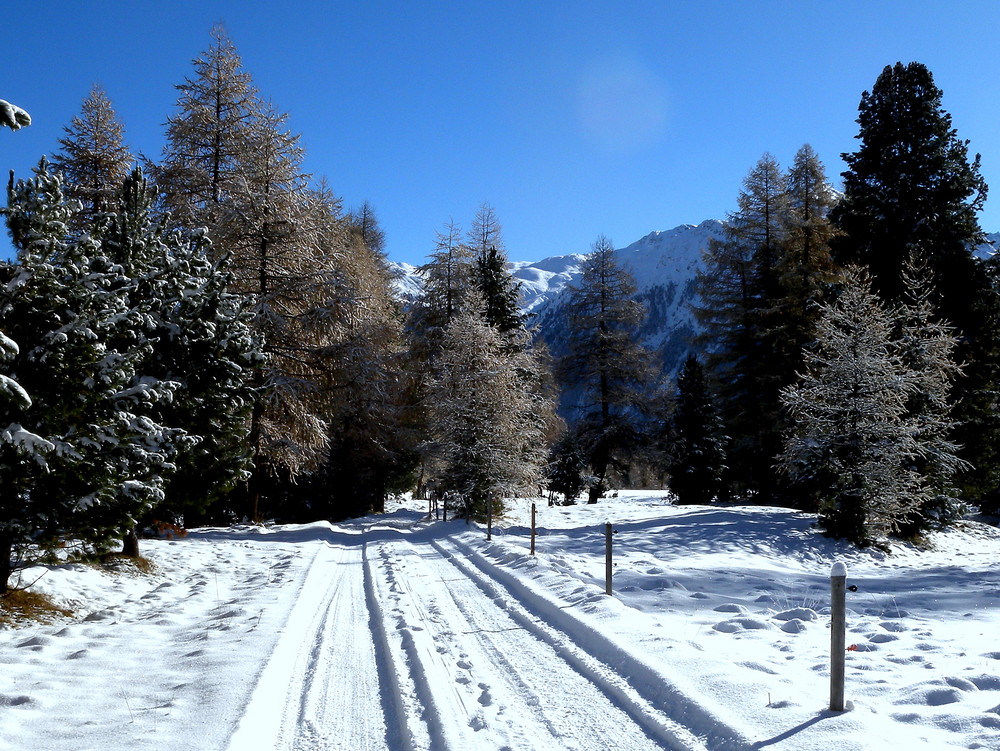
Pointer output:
838, 634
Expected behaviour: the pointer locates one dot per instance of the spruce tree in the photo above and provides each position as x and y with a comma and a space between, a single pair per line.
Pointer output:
606, 374
497, 287
697, 444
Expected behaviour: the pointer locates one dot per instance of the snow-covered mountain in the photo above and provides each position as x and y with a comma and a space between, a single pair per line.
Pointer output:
664, 266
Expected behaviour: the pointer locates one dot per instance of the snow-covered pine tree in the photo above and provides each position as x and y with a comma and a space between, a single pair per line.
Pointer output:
605, 371
851, 450
10, 390
697, 454
200, 341
12, 116
88, 459
484, 439
93, 158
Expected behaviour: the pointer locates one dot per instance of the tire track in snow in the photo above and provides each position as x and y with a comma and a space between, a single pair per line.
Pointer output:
647, 694
485, 679
321, 688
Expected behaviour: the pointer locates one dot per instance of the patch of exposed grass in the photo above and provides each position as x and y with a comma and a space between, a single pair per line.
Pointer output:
120, 563
22, 605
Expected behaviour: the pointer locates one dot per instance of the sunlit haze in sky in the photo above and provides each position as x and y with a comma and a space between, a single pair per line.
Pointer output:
571, 119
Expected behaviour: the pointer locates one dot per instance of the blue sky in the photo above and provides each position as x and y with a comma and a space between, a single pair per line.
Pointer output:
572, 119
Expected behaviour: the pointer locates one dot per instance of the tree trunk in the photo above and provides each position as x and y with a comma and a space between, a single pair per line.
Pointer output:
6, 549
130, 543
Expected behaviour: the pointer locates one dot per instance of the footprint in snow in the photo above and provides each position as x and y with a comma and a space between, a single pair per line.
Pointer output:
15, 701
35, 643
485, 698
894, 626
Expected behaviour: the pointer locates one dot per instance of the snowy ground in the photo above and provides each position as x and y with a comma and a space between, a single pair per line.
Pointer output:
396, 632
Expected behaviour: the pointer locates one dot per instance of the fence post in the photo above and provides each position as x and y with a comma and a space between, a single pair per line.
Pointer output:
532, 528
838, 629
489, 517
607, 558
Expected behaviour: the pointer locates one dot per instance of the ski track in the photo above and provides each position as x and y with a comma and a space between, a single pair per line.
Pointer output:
471, 661
324, 671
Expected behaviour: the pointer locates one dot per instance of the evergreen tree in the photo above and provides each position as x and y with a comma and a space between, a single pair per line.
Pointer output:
697, 451
741, 318
12, 116
606, 375
911, 190
85, 458
500, 293
10, 390
201, 342
94, 158
853, 445
566, 471
499, 290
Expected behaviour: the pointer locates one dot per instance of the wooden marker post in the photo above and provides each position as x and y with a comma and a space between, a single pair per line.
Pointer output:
838, 634
532, 528
607, 558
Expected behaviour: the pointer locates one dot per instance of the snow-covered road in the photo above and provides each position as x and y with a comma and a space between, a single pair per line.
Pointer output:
401, 633
397, 641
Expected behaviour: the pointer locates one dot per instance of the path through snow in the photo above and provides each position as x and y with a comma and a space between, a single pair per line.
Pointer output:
397, 633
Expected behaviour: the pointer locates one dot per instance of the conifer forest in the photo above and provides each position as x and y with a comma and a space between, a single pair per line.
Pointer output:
208, 335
